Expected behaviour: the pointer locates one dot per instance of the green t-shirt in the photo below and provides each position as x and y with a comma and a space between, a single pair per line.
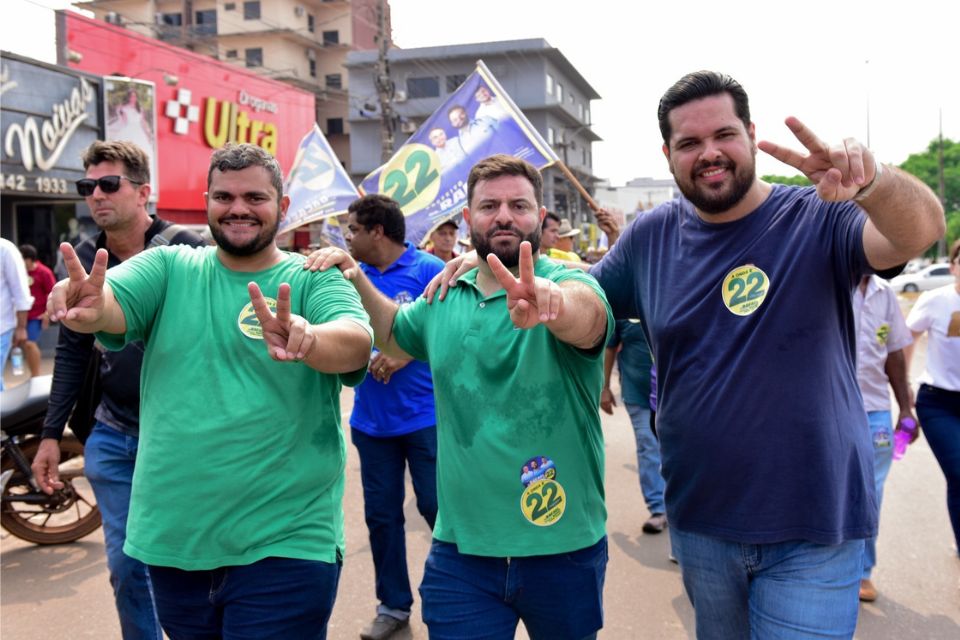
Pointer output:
240, 457
520, 459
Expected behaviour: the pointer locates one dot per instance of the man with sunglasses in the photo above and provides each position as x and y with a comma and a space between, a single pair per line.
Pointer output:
116, 188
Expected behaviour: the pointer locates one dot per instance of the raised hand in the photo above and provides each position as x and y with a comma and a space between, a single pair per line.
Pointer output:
323, 259
838, 172
288, 336
607, 224
79, 298
531, 300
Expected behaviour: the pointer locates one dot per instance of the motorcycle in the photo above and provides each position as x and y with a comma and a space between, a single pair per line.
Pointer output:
27, 512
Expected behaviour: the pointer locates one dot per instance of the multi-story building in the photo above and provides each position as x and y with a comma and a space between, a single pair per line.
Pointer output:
552, 94
302, 42
637, 195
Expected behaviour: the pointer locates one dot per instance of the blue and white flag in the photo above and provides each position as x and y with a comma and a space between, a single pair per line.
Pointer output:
318, 185
428, 174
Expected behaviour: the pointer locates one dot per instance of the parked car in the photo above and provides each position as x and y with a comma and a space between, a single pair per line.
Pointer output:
936, 275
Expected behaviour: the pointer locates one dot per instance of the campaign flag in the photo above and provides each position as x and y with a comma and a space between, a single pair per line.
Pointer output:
428, 174
318, 185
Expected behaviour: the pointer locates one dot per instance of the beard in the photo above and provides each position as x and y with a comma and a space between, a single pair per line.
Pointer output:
509, 256
256, 244
718, 198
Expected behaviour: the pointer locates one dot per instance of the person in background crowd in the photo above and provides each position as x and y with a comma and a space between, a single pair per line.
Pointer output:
937, 313
882, 336
443, 241
41, 280
15, 301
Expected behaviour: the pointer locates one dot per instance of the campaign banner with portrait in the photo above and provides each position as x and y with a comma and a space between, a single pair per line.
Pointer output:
130, 113
317, 184
428, 174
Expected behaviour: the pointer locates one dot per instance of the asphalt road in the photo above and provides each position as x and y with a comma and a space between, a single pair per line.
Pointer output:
63, 591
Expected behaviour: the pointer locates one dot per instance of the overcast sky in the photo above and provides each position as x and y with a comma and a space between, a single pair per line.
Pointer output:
829, 63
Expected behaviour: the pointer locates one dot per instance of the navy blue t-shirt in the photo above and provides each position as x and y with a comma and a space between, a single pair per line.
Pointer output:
405, 404
762, 429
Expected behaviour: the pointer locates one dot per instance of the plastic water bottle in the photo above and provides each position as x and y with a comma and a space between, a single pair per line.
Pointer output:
903, 436
16, 361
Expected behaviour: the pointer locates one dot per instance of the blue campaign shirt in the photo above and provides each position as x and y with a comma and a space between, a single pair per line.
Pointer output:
762, 429
405, 404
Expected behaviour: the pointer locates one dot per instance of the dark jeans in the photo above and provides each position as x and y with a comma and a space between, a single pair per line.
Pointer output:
939, 414
382, 465
278, 598
557, 596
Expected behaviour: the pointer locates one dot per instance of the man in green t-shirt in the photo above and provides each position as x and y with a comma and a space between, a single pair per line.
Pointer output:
517, 361
237, 495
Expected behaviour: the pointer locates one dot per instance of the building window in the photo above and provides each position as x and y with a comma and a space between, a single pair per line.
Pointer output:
251, 10
572, 98
311, 23
334, 126
580, 110
206, 22
313, 68
549, 85
586, 116
331, 38
551, 136
454, 81
333, 81
560, 92
171, 19
231, 53
426, 87
230, 6
254, 57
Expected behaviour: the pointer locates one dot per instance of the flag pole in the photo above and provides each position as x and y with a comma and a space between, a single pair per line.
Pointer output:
576, 183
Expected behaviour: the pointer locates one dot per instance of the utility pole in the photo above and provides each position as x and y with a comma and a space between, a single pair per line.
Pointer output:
942, 242
384, 85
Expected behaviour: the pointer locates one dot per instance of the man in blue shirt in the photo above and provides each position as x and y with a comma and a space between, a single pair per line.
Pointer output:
744, 289
393, 423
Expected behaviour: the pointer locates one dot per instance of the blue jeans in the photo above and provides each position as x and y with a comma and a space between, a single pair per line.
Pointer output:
278, 598
382, 465
648, 458
6, 343
786, 590
557, 596
109, 456
881, 432
939, 413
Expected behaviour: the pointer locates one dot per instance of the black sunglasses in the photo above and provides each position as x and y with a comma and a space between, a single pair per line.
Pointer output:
108, 184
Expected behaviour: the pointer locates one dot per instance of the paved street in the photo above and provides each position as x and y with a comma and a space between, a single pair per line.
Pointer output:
63, 592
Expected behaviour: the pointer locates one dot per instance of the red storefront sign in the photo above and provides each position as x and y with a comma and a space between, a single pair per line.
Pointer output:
210, 104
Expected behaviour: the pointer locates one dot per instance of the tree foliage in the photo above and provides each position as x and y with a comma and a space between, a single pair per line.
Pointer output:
926, 166
796, 181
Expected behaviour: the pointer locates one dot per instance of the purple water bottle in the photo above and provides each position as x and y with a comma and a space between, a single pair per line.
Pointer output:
903, 436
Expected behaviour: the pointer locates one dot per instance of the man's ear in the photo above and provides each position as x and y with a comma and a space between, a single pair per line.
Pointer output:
283, 206
466, 215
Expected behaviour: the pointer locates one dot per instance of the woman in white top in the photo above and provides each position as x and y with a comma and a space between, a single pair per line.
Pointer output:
938, 403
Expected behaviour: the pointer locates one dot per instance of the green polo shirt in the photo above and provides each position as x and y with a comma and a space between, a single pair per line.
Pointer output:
520, 458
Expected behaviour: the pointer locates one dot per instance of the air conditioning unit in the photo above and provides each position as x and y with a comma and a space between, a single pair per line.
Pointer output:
112, 17
298, 11
399, 96
408, 126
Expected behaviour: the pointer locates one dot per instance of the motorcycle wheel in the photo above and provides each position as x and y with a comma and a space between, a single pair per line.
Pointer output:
70, 514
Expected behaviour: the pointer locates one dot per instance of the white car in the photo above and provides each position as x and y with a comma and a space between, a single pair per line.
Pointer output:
936, 275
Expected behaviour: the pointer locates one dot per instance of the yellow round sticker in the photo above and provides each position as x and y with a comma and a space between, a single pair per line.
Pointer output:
412, 178
248, 322
744, 289
543, 502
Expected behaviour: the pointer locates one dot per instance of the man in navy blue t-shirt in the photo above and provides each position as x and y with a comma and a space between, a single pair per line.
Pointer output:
393, 423
744, 292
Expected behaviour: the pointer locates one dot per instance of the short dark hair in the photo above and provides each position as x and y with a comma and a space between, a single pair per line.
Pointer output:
550, 216
697, 85
504, 165
136, 164
236, 157
376, 209
28, 252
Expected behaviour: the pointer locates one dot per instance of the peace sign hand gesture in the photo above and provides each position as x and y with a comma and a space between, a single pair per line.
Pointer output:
839, 172
531, 300
287, 335
79, 298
